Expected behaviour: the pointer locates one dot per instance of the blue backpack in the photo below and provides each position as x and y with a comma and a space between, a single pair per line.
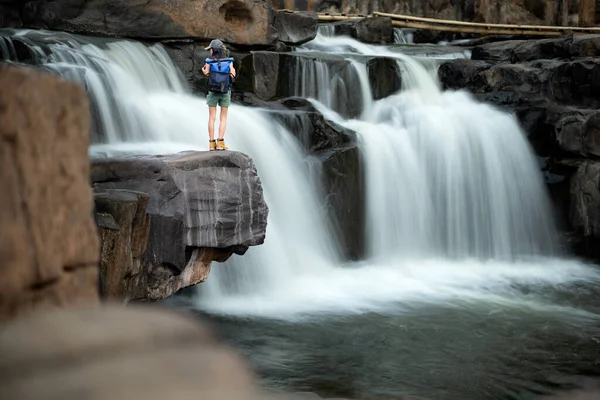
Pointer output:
219, 80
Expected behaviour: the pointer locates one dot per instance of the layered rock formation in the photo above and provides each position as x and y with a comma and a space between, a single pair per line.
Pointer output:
48, 240
240, 22
551, 85
202, 207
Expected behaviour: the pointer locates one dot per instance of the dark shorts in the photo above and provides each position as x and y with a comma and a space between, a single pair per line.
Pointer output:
222, 99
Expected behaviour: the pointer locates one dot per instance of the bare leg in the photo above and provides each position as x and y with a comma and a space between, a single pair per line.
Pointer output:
212, 116
223, 121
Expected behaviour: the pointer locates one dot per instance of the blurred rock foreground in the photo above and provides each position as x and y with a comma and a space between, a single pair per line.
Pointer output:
56, 340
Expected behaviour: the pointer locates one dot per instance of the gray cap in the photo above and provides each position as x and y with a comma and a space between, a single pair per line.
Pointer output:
215, 44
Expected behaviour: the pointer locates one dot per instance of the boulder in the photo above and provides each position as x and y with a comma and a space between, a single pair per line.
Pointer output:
575, 82
295, 28
376, 30
496, 51
591, 134
208, 204
240, 22
48, 240
343, 179
585, 207
385, 77
124, 226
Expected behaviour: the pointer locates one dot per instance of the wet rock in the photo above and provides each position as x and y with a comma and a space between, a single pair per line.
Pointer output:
242, 22
497, 51
48, 240
576, 82
585, 207
376, 30
124, 226
343, 180
295, 28
209, 205
567, 48
463, 74
384, 76
591, 134
569, 133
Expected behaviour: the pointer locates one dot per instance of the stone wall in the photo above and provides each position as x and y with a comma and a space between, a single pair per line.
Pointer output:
48, 240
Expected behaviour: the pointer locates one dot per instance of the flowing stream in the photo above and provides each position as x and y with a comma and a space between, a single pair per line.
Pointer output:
463, 293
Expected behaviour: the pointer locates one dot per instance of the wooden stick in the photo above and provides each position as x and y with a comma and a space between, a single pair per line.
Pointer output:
486, 26
484, 31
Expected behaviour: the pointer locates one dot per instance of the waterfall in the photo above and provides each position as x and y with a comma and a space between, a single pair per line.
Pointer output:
455, 202
326, 30
403, 36
465, 181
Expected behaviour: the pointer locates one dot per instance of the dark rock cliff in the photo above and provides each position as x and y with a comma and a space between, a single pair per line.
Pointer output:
201, 206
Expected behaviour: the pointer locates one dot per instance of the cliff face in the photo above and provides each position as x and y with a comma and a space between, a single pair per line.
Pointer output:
176, 214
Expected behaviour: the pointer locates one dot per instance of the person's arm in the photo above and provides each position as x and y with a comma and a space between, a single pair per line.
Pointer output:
206, 69
232, 71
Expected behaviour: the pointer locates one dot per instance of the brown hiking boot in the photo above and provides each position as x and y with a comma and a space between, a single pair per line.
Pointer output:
221, 145
212, 145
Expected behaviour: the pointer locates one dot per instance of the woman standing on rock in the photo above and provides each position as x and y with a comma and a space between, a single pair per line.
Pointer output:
220, 72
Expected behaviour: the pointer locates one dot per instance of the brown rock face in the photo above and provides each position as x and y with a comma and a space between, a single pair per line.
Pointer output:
48, 240
242, 22
124, 226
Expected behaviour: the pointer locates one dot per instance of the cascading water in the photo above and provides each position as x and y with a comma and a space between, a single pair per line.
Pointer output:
441, 184
460, 280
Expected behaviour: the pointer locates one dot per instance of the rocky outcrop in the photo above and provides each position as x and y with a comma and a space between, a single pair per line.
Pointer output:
240, 22
585, 207
48, 240
204, 206
376, 30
